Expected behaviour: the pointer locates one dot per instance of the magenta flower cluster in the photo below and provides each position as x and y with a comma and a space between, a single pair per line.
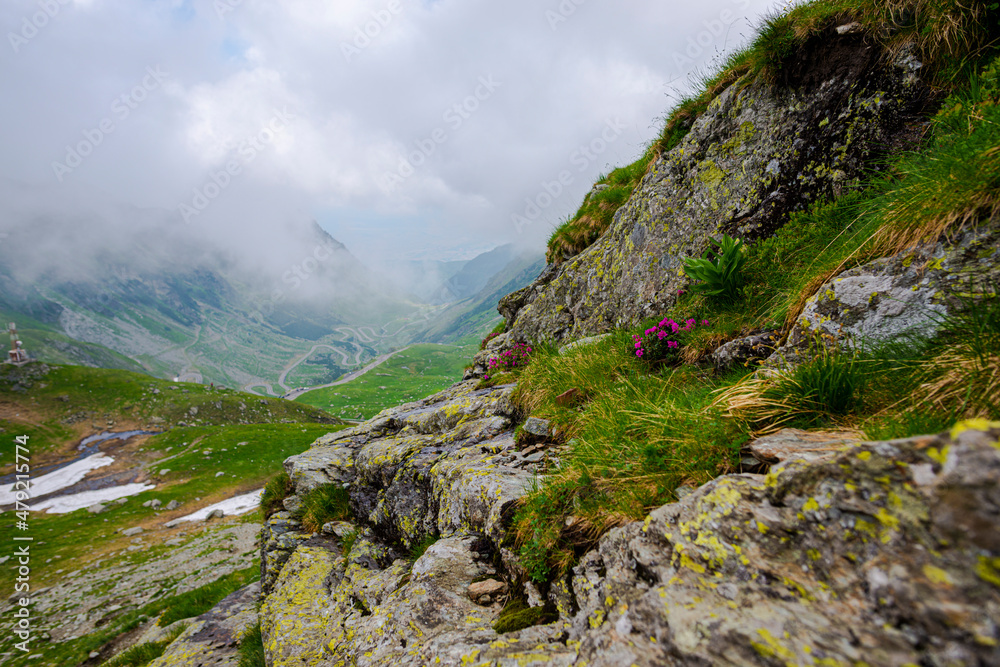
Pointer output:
509, 359
667, 332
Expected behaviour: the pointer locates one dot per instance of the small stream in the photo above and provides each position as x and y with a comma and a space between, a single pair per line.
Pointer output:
80, 481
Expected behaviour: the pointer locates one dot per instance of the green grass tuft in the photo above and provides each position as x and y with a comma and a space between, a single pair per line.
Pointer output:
517, 615
197, 602
422, 546
277, 489
251, 649
324, 504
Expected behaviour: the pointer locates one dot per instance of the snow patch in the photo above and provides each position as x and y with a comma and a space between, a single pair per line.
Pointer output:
238, 505
58, 479
76, 501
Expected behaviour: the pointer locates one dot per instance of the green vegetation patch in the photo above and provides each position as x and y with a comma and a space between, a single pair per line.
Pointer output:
951, 37
637, 431
248, 455
414, 373
517, 615
251, 650
324, 504
53, 403
275, 491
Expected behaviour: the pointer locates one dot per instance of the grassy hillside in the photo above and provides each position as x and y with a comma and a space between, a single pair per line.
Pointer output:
950, 37
643, 426
57, 404
216, 444
418, 371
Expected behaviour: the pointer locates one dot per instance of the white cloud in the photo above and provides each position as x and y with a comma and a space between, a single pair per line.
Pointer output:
359, 114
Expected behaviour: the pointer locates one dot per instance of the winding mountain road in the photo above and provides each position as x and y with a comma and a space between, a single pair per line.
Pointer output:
378, 361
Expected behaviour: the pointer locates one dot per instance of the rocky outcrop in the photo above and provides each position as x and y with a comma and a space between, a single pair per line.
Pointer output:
883, 554
909, 293
214, 637
757, 154
446, 467
845, 552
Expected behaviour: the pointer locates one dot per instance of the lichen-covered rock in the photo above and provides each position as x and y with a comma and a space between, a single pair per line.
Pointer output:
279, 538
295, 615
213, 638
792, 444
885, 554
747, 351
439, 466
908, 293
755, 155
350, 611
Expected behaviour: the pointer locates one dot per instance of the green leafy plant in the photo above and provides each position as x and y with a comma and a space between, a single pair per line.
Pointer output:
720, 269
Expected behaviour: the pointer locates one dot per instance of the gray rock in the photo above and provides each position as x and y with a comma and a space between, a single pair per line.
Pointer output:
155, 504
293, 504
279, 538
855, 569
792, 444
215, 514
540, 427
339, 528
747, 351
486, 591
131, 532
97, 509
757, 153
583, 342
906, 294
172, 505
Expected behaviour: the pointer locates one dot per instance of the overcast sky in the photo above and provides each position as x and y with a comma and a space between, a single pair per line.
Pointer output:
407, 128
